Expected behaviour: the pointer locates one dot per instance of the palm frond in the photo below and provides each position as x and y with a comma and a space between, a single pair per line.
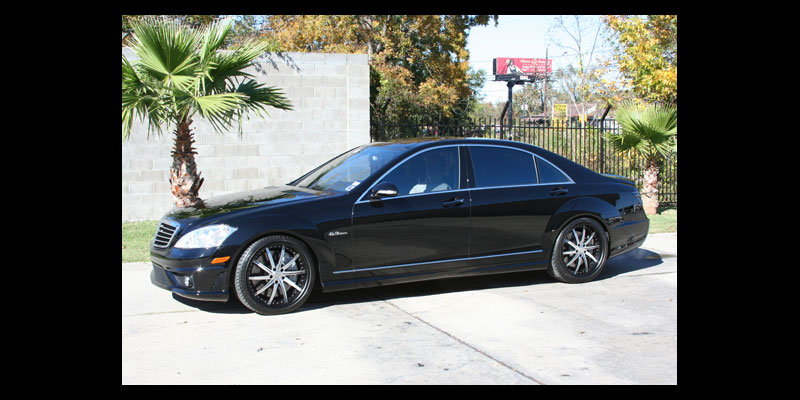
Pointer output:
221, 103
626, 113
664, 117
624, 141
257, 97
233, 63
219, 109
648, 129
166, 49
181, 71
214, 37
140, 97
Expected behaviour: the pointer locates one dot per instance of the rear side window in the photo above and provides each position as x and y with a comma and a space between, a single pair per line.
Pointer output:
498, 166
549, 174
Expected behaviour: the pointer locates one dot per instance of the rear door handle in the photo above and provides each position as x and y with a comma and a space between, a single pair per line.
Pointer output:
558, 191
453, 202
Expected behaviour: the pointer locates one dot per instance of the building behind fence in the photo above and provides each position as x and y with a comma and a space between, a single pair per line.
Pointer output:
582, 144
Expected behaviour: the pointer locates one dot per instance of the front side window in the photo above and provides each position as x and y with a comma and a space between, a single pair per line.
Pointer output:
427, 172
498, 166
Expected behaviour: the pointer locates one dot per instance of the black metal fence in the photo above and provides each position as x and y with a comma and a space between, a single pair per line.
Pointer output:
582, 144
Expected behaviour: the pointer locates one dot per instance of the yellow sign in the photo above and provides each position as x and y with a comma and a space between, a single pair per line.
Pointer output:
559, 111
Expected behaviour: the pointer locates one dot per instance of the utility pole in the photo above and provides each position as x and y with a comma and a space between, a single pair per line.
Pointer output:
544, 102
510, 85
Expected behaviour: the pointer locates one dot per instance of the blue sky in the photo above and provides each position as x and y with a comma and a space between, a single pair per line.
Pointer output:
522, 36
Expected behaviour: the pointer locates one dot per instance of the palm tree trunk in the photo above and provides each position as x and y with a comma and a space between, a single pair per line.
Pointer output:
650, 186
184, 179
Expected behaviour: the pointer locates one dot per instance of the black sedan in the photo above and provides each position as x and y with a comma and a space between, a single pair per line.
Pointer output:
388, 213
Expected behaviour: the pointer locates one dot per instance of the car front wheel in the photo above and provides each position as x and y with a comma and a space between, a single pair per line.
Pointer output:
275, 275
580, 252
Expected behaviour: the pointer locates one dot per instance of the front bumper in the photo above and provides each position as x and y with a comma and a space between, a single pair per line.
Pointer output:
195, 278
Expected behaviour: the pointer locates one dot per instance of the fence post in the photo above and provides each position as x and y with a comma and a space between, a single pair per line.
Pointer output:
602, 139
602, 146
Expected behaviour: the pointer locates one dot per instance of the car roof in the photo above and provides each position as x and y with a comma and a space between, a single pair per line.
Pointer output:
576, 171
412, 143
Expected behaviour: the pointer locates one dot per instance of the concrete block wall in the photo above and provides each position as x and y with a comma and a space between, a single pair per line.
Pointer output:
330, 96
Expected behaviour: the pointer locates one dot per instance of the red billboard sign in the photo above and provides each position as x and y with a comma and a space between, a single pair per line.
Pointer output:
521, 66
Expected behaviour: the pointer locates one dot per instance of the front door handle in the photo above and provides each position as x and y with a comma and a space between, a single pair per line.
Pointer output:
453, 202
558, 191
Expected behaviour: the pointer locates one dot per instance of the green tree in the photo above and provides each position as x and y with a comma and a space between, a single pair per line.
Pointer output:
468, 106
527, 100
647, 54
581, 80
487, 110
651, 131
180, 72
419, 64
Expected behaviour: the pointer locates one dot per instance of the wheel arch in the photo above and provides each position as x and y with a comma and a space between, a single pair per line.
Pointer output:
580, 207
275, 232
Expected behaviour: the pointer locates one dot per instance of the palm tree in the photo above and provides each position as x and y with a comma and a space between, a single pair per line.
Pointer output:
651, 131
182, 71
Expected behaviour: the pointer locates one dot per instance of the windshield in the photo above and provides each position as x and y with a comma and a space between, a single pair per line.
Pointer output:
348, 170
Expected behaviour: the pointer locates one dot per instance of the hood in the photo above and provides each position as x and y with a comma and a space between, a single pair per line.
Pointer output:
264, 197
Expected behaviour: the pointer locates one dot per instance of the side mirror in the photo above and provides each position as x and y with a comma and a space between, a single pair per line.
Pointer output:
383, 189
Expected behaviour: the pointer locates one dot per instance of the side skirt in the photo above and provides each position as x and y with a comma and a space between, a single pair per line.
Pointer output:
383, 280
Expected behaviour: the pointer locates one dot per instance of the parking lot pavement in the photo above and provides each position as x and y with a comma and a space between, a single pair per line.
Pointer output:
521, 328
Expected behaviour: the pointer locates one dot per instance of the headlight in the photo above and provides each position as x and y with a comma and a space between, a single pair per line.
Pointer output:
205, 237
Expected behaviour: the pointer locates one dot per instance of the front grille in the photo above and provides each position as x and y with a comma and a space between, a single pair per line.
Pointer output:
219, 283
164, 235
161, 276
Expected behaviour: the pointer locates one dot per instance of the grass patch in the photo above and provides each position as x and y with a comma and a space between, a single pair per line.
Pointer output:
665, 221
136, 238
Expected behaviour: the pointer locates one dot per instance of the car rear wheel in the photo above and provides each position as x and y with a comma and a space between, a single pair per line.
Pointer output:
275, 275
580, 252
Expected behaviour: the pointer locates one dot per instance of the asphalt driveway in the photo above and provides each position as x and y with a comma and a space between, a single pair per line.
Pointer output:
521, 328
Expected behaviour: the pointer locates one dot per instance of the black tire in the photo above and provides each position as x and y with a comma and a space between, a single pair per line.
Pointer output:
255, 281
580, 252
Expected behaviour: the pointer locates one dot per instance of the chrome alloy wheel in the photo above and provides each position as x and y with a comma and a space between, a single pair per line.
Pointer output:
275, 275
581, 250
277, 272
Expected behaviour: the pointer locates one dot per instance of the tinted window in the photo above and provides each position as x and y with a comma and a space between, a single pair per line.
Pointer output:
429, 171
548, 173
497, 166
350, 169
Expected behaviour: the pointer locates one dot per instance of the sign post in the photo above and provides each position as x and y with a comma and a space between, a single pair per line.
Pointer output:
519, 71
